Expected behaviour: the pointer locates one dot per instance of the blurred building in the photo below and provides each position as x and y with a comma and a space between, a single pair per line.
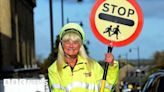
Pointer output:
17, 48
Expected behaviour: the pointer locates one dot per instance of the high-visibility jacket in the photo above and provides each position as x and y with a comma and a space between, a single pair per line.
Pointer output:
80, 79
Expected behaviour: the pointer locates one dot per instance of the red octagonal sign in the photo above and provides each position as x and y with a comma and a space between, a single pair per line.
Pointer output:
116, 22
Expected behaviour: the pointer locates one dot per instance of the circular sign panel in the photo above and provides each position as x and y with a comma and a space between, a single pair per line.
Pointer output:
116, 22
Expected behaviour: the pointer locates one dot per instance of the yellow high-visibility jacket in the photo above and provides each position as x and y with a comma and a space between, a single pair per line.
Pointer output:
80, 79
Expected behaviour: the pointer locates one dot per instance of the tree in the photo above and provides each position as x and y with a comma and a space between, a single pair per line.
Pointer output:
159, 60
51, 58
159, 57
158, 63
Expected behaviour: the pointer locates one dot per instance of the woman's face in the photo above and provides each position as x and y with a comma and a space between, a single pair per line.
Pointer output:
71, 48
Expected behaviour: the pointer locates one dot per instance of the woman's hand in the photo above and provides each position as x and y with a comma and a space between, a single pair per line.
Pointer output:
109, 58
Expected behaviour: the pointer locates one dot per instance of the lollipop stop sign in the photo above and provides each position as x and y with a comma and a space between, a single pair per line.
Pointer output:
116, 22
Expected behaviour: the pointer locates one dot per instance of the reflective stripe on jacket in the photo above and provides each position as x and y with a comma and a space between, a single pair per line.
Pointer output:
80, 79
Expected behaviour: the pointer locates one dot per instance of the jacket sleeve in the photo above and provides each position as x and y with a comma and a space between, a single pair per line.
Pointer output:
54, 81
113, 75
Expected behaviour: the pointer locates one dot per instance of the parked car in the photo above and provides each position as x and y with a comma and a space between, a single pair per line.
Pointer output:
155, 82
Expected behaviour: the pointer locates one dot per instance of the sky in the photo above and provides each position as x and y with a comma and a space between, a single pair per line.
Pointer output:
150, 40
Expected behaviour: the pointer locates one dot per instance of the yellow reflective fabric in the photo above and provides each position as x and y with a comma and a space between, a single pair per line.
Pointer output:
80, 79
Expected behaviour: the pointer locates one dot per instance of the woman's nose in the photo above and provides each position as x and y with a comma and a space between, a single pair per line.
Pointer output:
71, 45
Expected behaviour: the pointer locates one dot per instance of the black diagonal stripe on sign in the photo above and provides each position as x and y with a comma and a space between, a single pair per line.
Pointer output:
116, 19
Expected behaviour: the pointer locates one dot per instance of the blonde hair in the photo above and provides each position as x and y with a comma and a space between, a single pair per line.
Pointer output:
61, 60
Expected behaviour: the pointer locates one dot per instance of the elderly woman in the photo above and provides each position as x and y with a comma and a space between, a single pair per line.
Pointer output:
74, 71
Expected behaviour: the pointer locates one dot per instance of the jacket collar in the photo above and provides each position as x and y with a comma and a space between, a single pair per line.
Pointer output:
80, 61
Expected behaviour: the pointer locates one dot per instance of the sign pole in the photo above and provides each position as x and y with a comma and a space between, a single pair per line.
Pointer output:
105, 72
